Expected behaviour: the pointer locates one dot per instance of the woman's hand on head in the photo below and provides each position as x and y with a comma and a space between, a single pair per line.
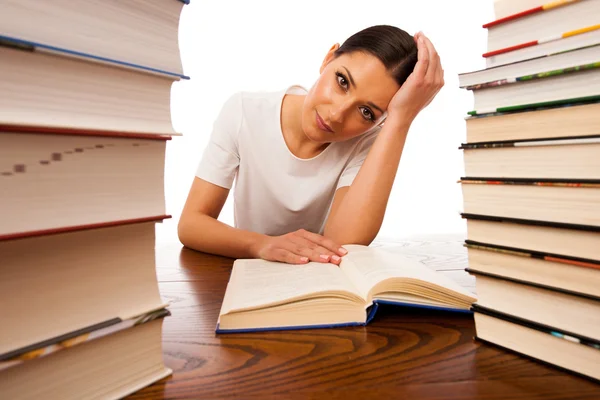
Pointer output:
300, 247
422, 85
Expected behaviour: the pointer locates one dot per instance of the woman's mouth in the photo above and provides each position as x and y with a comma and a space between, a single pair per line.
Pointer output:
322, 125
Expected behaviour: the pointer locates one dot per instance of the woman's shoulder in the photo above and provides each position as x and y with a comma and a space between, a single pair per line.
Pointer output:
256, 105
251, 97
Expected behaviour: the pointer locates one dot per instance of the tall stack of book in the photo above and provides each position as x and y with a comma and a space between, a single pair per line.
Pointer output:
531, 188
84, 121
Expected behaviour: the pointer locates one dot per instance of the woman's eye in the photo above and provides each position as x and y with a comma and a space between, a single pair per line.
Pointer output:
367, 114
342, 80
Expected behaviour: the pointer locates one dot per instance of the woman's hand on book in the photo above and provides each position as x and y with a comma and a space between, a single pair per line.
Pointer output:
422, 85
299, 247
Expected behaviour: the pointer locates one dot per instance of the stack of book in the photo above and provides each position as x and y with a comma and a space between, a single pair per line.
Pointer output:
531, 188
84, 122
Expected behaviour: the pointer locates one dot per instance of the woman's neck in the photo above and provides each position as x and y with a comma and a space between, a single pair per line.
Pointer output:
291, 126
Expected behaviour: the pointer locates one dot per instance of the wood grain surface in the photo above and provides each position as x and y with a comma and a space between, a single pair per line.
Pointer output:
402, 353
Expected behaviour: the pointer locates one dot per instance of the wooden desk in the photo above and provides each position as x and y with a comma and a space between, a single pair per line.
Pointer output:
408, 354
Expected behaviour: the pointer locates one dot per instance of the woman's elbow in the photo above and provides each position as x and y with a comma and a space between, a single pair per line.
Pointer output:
184, 230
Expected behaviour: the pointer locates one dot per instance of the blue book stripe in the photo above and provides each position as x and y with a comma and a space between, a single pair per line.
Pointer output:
185, 1
90, 56
424, 306
371, 314
287, 328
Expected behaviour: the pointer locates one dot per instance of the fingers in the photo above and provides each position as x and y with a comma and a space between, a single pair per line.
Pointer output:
300, 245
435, 74
322, 241
322, 254
298, 256
423, 57
289, 257
314, 252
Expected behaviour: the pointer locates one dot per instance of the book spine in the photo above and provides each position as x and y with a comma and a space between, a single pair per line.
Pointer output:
532, 284
424, 306
529, 106
591, 183
32, 129
579, 262
75, 338
540, 75
531, 11
541, 41
28, 45
531, 143
531, 222
56, 231
510, 48
219, 329
372, 311
560, 71
572, 337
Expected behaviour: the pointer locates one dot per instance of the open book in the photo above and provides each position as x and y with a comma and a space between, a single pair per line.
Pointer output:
264, 295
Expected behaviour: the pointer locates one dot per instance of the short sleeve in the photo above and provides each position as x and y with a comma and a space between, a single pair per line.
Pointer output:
356, 160
220, 159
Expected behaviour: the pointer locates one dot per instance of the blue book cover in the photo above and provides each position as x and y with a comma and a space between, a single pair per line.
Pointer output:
371, 313
270, 296
34, 46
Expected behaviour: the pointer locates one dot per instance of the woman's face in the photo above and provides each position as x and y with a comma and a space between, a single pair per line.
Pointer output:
349, 97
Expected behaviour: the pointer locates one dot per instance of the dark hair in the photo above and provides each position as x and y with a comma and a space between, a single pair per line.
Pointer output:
393, 46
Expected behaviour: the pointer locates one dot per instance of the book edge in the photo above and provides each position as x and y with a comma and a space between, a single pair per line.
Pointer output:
550, 5
536, 142
67, 131
512, 17
472, 115
76, 228
106, 328
536, 360
532, 284
490, 312
151, 379
478, 71
535, 106
528, 253
371, 313
63, 52
576, 183
570, 68
424, 306
521, 221
220, 330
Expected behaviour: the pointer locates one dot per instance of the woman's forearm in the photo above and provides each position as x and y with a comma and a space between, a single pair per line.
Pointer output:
360, 214
203, 233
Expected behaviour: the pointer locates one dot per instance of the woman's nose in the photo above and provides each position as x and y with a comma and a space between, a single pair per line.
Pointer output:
338, 110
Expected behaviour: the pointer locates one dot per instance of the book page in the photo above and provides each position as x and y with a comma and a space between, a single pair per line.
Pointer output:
366, 267
255, 283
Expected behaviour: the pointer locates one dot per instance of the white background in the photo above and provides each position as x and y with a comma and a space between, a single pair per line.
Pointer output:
233, 45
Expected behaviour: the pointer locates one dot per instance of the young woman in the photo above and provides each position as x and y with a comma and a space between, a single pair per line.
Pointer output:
313, 169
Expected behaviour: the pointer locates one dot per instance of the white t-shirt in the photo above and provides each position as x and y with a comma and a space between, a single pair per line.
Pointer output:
275, 192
